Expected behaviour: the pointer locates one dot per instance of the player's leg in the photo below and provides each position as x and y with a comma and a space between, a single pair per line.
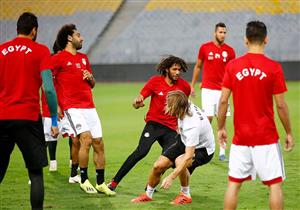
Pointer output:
51, 143
208, 104
52, 154
70, 147
36, 188
7, 145
148, 137
30, 139
99, 161
160, 166
231, 195
276, 196
85, 140
222, 151
241, 168
273, 175
74, 177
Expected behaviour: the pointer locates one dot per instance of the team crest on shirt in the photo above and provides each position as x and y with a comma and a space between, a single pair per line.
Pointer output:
210, 56
224, 55
83, 61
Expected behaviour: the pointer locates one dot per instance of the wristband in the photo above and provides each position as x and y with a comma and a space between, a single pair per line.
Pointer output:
54, 121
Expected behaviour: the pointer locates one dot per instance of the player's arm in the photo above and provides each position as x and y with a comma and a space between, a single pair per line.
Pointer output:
88, 76
138, 102
196, 72
51, 98
223, 104
182, 162
283, 113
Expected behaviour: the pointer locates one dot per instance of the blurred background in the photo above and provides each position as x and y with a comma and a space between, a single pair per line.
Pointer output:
125, 39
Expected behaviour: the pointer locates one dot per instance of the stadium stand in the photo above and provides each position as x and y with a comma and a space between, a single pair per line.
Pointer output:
179, 27
90, 17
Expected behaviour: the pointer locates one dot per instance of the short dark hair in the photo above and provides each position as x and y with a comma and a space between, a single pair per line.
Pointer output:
168, 62
256, 32
26, 22
56, 48
220, 24
63, 33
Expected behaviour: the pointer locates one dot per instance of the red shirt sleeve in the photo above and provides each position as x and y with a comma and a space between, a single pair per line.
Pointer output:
46, 63
227, 80
88, 65
279, 85
147, 89
201, 54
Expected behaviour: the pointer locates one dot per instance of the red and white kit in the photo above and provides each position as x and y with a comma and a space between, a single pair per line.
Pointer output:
214, 59
254, 79
158, 89
75, 95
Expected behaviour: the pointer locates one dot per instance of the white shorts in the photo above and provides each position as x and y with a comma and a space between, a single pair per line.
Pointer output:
210, 102
47, 124
77, 121
264, 160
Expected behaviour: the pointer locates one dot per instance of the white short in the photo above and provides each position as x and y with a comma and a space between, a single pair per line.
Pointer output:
77, 121
210, 102
47, 123
264, 160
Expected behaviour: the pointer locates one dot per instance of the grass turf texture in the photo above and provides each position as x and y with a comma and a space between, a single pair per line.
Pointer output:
122, 126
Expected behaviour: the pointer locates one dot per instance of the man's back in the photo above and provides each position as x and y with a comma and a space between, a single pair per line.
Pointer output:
21, 63
253, 79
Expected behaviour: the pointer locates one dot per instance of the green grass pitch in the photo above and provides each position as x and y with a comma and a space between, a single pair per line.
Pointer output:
122, 126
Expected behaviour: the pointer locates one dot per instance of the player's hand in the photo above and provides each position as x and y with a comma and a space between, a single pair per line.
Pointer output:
54, 131
193, 92
289, 143
166, 183
59, 113
87, 75
138, 102
222, 137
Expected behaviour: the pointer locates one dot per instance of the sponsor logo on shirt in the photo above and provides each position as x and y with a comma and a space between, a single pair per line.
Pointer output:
223, 56
69, 63
83, 61
210, 56
217, 55
160, 93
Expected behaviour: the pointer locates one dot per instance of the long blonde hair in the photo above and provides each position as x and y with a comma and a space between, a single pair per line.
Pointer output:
177, 104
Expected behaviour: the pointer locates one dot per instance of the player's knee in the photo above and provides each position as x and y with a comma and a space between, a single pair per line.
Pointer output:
159, 168
85, 140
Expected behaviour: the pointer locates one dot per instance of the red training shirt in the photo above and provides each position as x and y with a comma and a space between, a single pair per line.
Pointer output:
21, 62
158, 89
214, 59
254, 79
45, 108
72, 90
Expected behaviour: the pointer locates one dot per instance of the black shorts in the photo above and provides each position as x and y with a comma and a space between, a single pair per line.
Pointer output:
29, 136
200, 157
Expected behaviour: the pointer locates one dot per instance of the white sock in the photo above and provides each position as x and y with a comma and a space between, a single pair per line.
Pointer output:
149, 191
222, 151
186, 190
